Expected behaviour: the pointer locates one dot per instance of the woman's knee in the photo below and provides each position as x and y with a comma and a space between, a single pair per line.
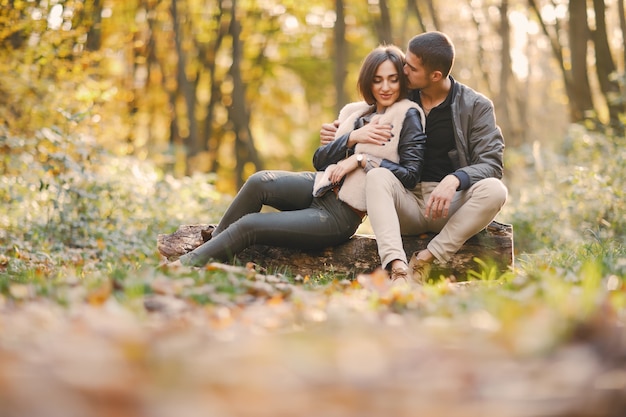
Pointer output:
259, 177
259, 181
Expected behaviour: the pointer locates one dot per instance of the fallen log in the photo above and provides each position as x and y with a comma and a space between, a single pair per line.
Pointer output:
493, 246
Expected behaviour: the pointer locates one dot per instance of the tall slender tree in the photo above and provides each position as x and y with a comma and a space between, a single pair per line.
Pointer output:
383, 23
186, 78
581, 98
238, 113
622, 26
574, 73
506, 96
340, 55
208, 56
606, 69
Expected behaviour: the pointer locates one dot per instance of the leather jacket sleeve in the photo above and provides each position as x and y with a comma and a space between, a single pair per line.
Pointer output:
332, 153
411, 148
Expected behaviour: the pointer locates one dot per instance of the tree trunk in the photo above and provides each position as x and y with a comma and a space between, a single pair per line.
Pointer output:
557, 50
383, 25
208, 58
186, 87
482, 65
494, 246
245, 150
433, 14
605, 68
94, 35
341, 57
413, 6
622, 26
578, 37
506, 96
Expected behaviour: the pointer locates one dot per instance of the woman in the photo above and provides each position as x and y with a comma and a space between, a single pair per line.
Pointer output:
330, 217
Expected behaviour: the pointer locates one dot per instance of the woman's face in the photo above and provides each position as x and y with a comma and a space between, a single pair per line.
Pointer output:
386, 85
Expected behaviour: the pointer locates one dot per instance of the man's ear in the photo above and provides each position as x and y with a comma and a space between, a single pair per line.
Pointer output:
436, 76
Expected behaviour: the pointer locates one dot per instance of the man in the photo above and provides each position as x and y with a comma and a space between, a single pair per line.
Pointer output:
461, 190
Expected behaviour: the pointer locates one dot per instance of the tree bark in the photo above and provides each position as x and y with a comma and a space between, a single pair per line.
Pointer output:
341, 57
186, 87
209, 53
506, 101
557, 50
383, 25
494, 246
605, 68
578, 38
94, 34
413, 5
238, 113
622, 26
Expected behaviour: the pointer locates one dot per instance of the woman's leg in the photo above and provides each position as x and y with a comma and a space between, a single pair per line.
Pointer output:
282, 190
327, 222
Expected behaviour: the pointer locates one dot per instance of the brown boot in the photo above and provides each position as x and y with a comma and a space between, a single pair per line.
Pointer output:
207, 233
419, 269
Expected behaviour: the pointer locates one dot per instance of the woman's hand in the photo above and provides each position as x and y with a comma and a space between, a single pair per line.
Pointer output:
374, 132
342, 168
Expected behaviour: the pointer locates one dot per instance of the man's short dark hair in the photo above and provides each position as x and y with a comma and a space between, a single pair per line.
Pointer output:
371, 63
435, 49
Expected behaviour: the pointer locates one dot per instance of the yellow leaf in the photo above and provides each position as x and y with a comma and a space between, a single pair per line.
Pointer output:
100, 294
275, 300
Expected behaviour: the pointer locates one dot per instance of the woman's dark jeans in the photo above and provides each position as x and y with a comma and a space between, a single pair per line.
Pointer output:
302, 221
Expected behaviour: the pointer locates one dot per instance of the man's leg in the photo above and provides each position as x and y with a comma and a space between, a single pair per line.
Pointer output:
470, 212
392, 210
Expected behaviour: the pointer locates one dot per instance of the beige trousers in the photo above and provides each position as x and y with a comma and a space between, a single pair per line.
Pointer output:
394, 211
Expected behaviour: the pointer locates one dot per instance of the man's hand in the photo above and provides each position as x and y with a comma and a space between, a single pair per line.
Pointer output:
327, 134
438, 204
374, 132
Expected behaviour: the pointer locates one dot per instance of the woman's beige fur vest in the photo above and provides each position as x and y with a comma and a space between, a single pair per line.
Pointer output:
352, 191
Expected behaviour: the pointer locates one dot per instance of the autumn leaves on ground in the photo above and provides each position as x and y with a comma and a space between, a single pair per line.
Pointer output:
90, 325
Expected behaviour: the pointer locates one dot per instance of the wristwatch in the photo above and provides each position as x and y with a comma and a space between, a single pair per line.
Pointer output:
359, 159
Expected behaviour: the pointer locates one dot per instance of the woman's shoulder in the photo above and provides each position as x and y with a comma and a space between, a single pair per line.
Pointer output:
357, 107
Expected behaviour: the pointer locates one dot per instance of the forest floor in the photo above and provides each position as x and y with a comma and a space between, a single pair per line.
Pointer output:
228, 341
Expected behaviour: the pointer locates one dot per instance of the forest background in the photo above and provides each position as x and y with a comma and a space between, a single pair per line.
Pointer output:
124, 119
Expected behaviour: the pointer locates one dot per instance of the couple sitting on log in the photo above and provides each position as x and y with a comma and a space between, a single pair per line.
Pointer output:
422, 153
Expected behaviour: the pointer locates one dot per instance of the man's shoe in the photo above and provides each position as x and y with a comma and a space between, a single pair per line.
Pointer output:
399, 275
420, 269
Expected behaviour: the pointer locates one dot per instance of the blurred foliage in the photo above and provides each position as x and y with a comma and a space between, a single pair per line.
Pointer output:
570, 195
115, 65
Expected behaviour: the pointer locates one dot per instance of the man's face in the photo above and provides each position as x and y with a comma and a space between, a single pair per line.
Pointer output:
415, 72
